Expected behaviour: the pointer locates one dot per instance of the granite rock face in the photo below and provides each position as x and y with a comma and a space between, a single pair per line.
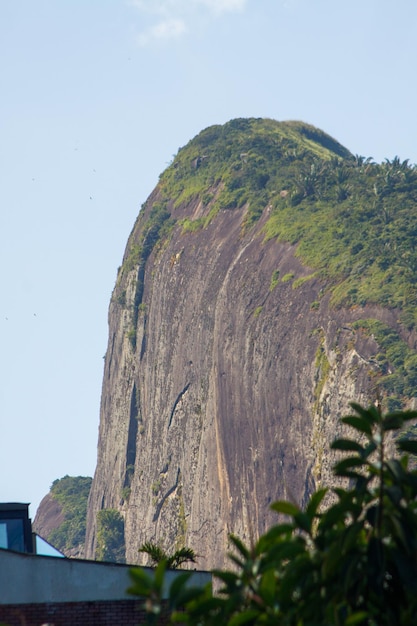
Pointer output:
225, 374
49, 516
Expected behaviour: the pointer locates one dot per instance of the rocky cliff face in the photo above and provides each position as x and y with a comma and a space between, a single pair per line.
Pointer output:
49, 516
227, 366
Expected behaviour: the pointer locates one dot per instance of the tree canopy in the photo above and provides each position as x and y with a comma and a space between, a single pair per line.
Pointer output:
110, 544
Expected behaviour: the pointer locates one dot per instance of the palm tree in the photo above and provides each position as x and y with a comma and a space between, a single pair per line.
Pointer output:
363, 162
173, 561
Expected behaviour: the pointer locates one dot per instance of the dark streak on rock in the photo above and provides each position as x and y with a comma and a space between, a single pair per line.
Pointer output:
179, 396
168, 493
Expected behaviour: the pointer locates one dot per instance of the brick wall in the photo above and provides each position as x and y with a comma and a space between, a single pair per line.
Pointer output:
98, 613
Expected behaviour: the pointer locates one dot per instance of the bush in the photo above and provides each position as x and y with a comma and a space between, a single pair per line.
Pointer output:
274, 280
352, 562
110, 536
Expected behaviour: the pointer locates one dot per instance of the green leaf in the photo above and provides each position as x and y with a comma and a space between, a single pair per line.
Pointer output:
407, 445
230, 579
315, 501
331, 560
359, 424
142, 582
392, 421
342, 468
274, 534
369, 449
402, 534
371, 414
356, 618
240, 546
159, 574
372, 515
396, 470
244, 618
154, 551
267, 587
236, 560
352, 536
395, 494
296, 571
286, 550
177, 587
187, 596
303, 521
178, 617
339, 512
287, 508
200, 608
347, 445
408, 415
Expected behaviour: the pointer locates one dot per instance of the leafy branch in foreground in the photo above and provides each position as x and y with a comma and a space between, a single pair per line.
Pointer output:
352, 562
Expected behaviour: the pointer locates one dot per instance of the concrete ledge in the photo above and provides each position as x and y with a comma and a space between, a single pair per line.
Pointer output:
27, 578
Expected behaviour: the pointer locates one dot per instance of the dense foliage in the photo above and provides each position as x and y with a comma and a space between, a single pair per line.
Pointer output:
110, 544
72, 494
351, 561
397, 363
355, 224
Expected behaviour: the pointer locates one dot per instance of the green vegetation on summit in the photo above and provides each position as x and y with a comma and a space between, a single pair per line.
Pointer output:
244, 162
353, 220
72, 494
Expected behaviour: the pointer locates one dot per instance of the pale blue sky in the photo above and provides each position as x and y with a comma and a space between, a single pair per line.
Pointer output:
96, 98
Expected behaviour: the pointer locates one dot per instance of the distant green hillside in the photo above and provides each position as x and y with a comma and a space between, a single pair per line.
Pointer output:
72, 494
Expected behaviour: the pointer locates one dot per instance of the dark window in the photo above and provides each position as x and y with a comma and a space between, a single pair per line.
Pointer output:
12, 534
15, 527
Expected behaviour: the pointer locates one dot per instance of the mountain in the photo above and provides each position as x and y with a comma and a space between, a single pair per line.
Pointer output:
268, 281
61, 515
